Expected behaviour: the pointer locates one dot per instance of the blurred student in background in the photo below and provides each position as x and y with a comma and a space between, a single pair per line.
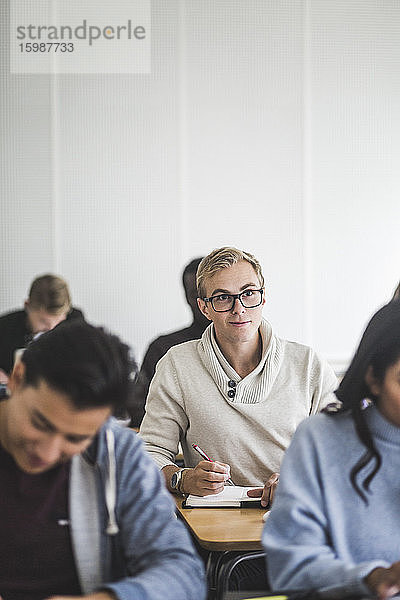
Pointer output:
162, 344
335, 523
48, 303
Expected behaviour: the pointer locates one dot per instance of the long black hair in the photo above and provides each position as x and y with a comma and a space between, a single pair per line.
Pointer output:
379, 348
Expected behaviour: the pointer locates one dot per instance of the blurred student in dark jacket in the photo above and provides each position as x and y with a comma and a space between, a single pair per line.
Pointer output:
48, 303
162, 344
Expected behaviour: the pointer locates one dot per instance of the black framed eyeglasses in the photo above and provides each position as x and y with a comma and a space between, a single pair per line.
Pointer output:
225, 302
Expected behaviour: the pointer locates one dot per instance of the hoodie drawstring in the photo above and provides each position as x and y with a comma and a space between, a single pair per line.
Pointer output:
111, 485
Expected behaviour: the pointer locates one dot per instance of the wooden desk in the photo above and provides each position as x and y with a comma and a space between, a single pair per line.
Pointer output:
230, 535
224, 529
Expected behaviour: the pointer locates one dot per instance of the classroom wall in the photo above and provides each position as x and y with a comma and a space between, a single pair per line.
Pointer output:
268, 124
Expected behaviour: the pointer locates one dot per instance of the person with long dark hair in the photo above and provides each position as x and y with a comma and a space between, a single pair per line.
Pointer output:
396, 293
335, 523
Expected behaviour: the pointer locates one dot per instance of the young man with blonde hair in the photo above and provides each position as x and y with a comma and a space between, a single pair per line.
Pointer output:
239, 392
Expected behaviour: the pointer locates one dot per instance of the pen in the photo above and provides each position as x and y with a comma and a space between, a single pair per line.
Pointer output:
204, 455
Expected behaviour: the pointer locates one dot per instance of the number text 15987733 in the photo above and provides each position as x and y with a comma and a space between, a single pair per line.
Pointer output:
47, 47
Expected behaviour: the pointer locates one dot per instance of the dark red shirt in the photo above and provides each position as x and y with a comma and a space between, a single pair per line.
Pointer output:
36, 559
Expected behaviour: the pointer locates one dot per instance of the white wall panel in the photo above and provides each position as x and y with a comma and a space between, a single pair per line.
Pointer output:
118, 205
26, 177
355, 74
244, 78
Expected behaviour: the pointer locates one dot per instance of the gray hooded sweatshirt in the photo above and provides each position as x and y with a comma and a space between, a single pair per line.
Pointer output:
125, 535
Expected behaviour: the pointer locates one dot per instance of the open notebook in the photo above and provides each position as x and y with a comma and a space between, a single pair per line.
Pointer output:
232, 496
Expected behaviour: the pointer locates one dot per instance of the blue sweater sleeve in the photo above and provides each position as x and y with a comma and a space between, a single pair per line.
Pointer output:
297, 535
155, 552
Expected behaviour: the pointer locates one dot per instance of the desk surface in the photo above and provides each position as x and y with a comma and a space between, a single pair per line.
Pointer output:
220, 529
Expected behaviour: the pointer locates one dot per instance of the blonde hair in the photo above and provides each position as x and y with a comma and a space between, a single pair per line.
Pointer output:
222, 258
50, 293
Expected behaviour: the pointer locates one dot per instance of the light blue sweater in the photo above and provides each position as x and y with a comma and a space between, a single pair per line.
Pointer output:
125, 535
320, 534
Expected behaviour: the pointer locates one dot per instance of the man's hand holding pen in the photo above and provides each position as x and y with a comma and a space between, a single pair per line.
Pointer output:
267, 493
206, 478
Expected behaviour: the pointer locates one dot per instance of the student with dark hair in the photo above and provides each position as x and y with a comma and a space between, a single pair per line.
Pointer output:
48, 303
163, 343
335, 524
83, 509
